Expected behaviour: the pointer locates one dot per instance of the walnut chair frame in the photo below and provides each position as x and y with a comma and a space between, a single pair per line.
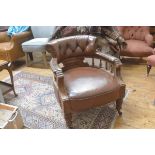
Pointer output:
72, 52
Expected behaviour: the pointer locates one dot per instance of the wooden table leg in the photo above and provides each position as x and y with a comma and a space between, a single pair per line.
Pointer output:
11, 77
31, 56
1, 97
44, 59
26, 58
68, 118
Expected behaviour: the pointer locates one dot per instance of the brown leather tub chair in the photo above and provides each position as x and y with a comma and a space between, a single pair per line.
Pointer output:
80, 85
139, 41
10, 47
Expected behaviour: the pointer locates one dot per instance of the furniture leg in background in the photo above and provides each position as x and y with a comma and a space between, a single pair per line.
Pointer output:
36, 45
44, 59
41, 35
7, 87
1, 96
150, 63
31, 56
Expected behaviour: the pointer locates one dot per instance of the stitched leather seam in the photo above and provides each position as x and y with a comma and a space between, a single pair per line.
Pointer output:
94, 95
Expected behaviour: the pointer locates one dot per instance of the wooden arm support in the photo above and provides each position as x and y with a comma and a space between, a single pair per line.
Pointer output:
112, 60
59, 78
117, 68
56, 69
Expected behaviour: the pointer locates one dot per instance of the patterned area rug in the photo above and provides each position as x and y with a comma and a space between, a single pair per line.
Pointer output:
40, 110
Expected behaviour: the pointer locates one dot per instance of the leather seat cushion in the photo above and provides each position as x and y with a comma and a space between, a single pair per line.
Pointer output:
137, 48
151, 60
84, 82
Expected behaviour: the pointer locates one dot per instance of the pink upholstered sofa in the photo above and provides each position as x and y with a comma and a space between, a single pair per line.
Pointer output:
139, 41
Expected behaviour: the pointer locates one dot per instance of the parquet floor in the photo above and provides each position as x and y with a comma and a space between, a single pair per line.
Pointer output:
139, 107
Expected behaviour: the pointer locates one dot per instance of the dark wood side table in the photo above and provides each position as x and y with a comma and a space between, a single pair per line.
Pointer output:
7, 87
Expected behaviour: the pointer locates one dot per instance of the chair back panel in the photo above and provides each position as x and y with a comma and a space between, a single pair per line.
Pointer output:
72, 47
42, 31
134, 32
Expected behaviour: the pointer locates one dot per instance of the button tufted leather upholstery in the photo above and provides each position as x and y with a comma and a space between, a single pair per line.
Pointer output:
139, 41
79, 85
73, 47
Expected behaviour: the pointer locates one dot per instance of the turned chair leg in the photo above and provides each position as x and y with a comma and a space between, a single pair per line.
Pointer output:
148, 69
68, 118
26, 58
119, 105
31, 56
11, 77
44, 59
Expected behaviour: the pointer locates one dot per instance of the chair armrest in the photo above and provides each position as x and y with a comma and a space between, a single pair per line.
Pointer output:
109, 58
149, 39
58, 74
114, 61
22, 37
59, 78
4, 37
